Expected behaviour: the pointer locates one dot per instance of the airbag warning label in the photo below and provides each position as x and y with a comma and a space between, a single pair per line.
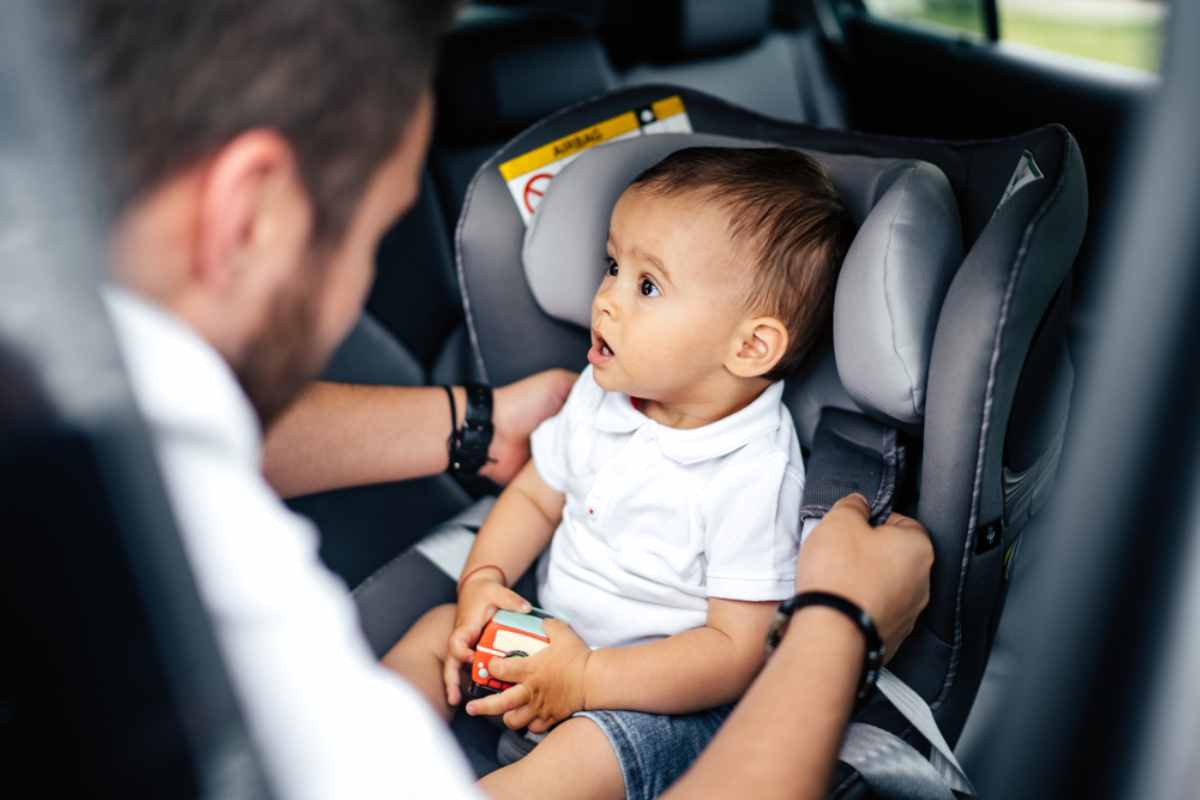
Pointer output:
528, 175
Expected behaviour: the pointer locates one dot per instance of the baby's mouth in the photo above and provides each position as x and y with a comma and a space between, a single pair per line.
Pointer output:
601, 351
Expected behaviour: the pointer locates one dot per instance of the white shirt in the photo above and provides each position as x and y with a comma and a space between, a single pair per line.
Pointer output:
328, 720
658, 519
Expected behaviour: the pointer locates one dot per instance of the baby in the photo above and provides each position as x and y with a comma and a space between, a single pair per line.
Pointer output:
664, 498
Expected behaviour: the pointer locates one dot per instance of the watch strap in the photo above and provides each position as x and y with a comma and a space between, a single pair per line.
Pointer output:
469, 445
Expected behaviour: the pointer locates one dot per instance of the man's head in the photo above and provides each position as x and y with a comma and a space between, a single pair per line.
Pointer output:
259, 150
722, 264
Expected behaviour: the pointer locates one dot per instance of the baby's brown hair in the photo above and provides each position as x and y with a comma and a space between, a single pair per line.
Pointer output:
783, 203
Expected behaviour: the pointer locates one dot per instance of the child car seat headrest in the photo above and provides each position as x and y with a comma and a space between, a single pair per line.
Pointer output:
892, 282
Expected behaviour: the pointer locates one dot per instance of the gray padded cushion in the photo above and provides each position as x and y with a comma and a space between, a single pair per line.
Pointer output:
706, 25
892, 283
504, 69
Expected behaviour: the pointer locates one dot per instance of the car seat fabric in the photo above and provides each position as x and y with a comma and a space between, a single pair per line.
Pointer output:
1022, 208
500, 70
732, 50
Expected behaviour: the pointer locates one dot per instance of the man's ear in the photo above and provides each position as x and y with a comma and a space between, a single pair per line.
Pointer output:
253, 209
761, 343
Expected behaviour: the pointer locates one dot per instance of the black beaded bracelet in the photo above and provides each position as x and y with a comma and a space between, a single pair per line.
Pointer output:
468, 447
875, 653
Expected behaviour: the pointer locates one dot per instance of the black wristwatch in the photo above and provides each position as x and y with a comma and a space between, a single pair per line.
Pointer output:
468, 446
872, 660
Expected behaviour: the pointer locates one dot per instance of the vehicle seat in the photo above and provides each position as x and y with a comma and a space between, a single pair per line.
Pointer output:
961, 366
763, 55
500, 70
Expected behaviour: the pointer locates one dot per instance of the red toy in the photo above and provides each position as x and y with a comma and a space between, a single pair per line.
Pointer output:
507, 635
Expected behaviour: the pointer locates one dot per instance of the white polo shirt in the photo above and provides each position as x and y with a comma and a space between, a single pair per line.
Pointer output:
329, 721
658, 519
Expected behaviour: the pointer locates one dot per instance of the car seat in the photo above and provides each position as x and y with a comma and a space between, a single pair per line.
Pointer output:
944, 324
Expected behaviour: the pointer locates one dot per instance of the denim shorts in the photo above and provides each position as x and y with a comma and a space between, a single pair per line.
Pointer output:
654, 750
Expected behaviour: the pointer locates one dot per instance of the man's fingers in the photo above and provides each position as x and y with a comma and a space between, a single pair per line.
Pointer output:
902, 521
497, 704
510, 670
854, 504
518, 718
540, 725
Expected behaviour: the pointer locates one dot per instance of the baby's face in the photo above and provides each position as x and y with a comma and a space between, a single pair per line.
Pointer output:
665, 317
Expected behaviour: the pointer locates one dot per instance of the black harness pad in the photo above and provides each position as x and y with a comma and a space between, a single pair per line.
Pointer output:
853, 453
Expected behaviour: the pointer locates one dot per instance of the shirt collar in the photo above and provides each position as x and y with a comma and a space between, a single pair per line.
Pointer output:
180, 381
617, 414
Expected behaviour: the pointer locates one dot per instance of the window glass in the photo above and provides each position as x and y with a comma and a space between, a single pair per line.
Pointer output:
959, 15
1127, 32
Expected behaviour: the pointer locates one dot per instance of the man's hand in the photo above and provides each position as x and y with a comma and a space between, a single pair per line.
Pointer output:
481, 596
550, 684
519, 408
885, 570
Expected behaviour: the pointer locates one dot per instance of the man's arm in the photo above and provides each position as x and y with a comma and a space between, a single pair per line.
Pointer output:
782, 739
336, 435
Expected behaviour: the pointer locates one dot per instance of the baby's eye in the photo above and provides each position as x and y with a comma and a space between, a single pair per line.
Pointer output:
649, 289
610, 267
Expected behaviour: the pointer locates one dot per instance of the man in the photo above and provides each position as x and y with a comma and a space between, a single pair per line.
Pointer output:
261, 150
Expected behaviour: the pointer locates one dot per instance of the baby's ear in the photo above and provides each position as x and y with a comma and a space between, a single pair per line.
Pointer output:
761, 342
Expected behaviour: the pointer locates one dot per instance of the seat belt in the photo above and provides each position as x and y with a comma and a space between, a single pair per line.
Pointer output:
895, 769
853, 453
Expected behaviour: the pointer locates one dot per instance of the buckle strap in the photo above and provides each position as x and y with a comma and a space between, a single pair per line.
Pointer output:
853, 453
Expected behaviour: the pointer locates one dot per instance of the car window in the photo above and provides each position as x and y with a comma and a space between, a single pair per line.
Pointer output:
1127, 32
962, 16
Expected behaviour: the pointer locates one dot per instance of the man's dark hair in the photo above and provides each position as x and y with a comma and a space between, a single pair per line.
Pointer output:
176, 79
782, 204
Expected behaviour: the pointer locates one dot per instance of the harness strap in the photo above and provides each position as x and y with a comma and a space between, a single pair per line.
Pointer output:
894, 768
853, 453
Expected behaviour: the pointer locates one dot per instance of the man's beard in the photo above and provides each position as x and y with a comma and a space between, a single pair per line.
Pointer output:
286, 355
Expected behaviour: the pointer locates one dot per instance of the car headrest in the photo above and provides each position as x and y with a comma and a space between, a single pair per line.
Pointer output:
666, 31
890, 290
502, 69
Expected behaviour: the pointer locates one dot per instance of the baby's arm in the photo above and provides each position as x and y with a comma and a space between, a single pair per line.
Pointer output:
691, 671
519, 526
514, 533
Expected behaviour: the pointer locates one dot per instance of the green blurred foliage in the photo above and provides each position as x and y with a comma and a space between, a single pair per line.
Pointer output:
1132, 42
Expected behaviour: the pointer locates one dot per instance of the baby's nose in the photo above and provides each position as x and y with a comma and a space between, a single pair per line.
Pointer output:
603, 304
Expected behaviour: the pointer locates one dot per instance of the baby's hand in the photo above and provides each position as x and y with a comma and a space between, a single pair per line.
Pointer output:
481, 596
550, 684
